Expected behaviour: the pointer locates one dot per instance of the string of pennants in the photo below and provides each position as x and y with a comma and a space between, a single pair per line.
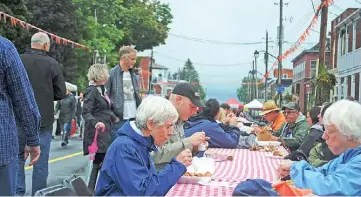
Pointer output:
300, 40
59, 40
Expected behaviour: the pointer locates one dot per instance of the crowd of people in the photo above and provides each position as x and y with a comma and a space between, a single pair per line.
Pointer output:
146, 144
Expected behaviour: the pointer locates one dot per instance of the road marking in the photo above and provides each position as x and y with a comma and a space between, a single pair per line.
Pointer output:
59, 159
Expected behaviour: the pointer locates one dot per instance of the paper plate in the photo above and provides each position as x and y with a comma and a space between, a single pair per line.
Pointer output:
268, 143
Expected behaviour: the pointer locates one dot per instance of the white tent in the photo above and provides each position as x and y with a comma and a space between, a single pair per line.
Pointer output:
255, 104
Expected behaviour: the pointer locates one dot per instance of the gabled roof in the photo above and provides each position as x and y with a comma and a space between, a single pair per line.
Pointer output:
158, 66
314, 49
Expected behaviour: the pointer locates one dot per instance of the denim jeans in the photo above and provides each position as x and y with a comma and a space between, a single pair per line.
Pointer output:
8, 178
66, 132
40, 171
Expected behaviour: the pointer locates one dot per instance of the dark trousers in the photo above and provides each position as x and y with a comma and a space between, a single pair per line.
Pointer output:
40, 171
8, 178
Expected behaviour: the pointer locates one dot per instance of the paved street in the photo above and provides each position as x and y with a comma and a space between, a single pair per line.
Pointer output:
63, 162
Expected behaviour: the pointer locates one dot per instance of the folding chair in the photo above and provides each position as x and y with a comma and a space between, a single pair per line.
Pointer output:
57, 190
78, 185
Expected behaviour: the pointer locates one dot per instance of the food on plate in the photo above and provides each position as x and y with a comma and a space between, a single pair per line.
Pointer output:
269, 148
216, 155
230, 158
265, 135
279, 153
255, 148
197, 174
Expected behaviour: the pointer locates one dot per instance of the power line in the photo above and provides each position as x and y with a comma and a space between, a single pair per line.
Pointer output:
313, 5
202, 64
314, 30
333, 14
301, 22
338, 7
358, 2
214, 41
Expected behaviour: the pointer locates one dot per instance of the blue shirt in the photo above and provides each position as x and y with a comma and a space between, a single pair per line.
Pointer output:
129, 170
219, 137
338, 177
16, 99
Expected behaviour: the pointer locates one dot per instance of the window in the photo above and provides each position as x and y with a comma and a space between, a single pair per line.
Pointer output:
343, 42
313, 68
350, 37
298, 72
285, 76
358, 33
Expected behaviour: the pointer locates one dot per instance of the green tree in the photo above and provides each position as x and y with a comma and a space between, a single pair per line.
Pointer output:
190, 74
100, 30
246, 92
145, 23
18, 35
61, 18
324, 82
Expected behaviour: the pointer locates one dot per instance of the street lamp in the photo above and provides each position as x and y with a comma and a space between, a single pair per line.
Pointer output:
266, 55
256, 55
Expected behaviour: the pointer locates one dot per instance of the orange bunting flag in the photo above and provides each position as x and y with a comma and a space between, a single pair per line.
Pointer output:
25, 25
302, 38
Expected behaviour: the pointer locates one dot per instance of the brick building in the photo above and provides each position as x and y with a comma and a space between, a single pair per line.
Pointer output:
304, 70
346, 54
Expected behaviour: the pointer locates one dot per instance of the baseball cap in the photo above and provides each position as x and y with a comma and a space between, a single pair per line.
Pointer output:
189, 91
291, 105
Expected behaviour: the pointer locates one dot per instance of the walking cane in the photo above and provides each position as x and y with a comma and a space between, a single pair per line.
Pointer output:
92, 149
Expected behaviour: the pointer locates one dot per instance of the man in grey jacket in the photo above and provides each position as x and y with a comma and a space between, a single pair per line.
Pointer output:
122, 87
186, 100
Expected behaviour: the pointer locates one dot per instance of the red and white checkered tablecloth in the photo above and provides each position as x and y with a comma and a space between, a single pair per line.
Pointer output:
245, 165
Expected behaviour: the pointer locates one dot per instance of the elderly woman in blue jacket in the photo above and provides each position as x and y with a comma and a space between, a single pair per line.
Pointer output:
340, 176
128, 169
206, 121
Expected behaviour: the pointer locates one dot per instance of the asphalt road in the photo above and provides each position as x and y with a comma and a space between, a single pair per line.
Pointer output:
63, 162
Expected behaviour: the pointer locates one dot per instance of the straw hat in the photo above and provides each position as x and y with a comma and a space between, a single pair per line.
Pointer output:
268, 107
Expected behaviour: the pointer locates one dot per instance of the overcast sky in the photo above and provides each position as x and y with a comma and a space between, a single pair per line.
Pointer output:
237, 21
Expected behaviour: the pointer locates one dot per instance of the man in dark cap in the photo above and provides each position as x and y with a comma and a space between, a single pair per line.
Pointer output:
294, 130
186, 100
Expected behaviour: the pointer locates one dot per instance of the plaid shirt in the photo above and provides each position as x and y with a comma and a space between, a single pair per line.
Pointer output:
16, 99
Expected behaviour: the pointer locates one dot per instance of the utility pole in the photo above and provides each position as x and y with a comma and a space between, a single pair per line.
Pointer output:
150, 71
280, 42
254, 81
249, 88
178, 76
266, 63
322, 50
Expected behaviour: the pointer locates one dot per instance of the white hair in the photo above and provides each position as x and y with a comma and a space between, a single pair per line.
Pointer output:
40, 38
345, 116
157, 109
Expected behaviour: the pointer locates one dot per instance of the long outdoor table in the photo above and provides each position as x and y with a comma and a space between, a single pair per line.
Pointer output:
245, 165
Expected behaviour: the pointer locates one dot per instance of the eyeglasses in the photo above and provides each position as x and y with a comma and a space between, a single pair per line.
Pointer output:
289, 112
328, 132
170, 128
